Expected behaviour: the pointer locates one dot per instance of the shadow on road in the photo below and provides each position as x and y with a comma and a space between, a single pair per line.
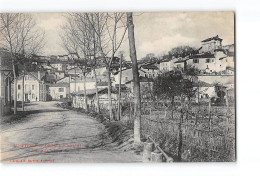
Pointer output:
23, 116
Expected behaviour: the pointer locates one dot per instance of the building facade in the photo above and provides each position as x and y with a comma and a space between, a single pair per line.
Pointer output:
6, 77
35, 88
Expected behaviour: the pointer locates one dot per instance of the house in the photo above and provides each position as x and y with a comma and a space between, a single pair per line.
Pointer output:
59, 90
146, 86
35, 88
210, 44
78, 99
166, 64
59, 74
212, 58
65, 79
230, 70
58, 64
150, 70
6, 77
205, 62
180, 65
99, 71
127, 75
77, 83
205, 91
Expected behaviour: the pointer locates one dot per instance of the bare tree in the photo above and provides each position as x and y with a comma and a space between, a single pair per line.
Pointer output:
110, 29
119, 88
22, 39
137, 93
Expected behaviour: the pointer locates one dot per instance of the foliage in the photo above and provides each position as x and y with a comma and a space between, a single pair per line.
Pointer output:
172, 84
182, 51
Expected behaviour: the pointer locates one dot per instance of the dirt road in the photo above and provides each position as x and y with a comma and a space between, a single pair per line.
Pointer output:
53, 134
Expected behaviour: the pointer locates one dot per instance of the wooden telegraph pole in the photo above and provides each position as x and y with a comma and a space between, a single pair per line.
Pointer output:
136, 80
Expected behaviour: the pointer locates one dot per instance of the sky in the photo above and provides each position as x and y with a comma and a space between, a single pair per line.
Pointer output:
155, 32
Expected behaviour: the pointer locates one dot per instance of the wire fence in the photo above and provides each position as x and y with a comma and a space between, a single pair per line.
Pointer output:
207, 132
207, 135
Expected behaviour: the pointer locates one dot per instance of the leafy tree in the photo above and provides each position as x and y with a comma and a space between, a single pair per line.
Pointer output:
182, 51
168, 86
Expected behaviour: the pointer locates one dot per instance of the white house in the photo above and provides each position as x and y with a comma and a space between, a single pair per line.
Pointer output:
59, 90
150, 70
167, 64
127, 75
78, 99
99, 71
210, 44
78, 83
34, 86
205, 91
59, 74
213, 59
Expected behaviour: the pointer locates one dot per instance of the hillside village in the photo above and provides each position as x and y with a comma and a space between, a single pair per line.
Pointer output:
118, 87
59, 77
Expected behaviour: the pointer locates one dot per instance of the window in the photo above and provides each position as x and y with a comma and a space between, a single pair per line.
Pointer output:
62, 89
33, 96
195, 60
19, 86
26, 77
25, 86
18, 96
207, 60
126, 78
32, 87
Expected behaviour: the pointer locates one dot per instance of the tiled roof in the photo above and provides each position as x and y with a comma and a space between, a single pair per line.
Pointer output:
59, 85
212, 38
165, 60
203, 55
230, 68
180, 61
102, 83
203, 84
150, 66
91, 92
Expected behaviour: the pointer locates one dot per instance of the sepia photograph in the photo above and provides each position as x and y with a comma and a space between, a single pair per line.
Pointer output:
118, 87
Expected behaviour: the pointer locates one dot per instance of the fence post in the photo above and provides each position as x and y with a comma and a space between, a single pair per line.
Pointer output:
156, 156
148, 148
210, 120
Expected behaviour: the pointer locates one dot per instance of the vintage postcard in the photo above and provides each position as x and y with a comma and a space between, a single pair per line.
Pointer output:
116, 87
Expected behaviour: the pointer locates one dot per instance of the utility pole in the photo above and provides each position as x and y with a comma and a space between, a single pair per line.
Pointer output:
23, 90
136, 80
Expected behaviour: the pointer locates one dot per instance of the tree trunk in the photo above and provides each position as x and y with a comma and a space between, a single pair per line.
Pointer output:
180, 137
119, 91
85, 93
15, 89
23, 93
69, 87
75, 87
172, 106
137, 94
111, 116
9, 93
97, 98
